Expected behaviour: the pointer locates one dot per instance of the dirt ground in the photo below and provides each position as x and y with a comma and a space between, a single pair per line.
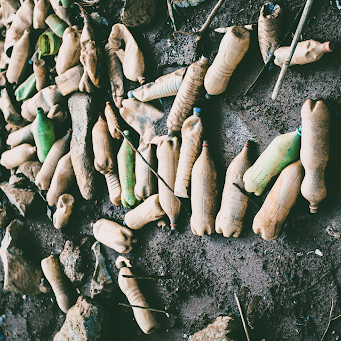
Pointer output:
280, 278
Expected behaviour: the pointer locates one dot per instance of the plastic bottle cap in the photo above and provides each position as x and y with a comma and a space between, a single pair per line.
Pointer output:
328, 46
126, 132
130, 94
196, 111
40, 111
205, 143
208, 96
299, 130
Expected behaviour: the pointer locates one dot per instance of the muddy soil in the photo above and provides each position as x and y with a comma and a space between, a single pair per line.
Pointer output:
280, 280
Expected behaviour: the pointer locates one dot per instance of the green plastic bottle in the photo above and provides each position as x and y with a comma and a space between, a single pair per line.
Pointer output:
281, 152
43, 133
26, 89
126, 172
49, 43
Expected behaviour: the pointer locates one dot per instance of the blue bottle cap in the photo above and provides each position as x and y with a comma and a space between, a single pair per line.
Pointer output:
196, 111
130, 94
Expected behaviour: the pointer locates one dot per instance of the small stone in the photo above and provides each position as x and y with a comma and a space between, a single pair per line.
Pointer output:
83, 115
71, 262
30, 169
22, 199
218, 330
84, 322
101, 279
138, 12
22, 275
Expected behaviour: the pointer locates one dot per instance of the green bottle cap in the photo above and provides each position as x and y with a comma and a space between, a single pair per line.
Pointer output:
126, 132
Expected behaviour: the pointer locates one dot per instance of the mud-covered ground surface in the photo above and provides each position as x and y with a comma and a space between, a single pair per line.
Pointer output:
281, 277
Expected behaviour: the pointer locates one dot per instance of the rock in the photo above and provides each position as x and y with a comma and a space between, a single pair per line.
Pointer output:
84, 322
17, 180
30, 169
16, 328
71, 262
22, 274
101, 280
83, 115
22, 199
139, 12
4, 216
218, 330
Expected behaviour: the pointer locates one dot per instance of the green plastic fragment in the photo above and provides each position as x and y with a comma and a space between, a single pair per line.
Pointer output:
27, 89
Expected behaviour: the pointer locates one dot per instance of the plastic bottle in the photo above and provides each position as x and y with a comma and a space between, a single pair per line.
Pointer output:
113, 235
63, 13
63, 211
276, 207
126, 172
168, 152
23, 135
131, 56
57, 25
62, 181
189, 93
68, 81
43, 133
282, 151
70, 50
270, 25
26, 89
40, 13
57, 151
232, 49
18, 155
314, 151
53, 273
112, 121
144, 318
146, 183
19, 58
164, 86
41, 72
190, 148
49, 43
234, 203
204, 193
8, 109
306, 52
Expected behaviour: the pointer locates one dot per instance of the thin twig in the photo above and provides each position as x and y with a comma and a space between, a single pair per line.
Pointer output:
246, 194
329, 320
170, 12
242, 317
146, 308
146, 277
335, 318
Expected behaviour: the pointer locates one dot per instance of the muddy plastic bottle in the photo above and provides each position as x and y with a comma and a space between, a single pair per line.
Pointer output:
190, 148
57, 151
40, 13
43, 133
63, 13
168, 152
64, 210
270, 24
115, 75
104, 161
68, 81
131, 56
146, 183
113, 235
149, 210
18, 155
7, 108
189, 93
164, 86
23, 135
281, 152
112, 121
57, 25
314, 151
41, 72
234, 203
306, 52
26, 89
204, 193
54, 274
232, 49
19, 58
62, 181
126, 172
49, 43
70, 50
144, 318
276, 207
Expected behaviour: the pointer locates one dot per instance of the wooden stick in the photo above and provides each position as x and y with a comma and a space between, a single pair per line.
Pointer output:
147, 308
146, 277
293, 45
242, 317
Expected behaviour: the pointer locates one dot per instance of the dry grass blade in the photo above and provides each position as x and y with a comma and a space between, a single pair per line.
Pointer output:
242, 317
329, 320
146, 308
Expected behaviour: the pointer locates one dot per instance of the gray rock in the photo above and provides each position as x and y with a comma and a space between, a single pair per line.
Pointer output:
84, 322
71, 262
218, 330
30, 169
4, 216
22, 199
16, 328
83, 116
101, 280
17, 180
22, 275
138, 12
